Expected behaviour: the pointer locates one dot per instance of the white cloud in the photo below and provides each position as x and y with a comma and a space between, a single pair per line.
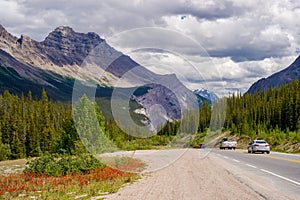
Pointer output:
247, 40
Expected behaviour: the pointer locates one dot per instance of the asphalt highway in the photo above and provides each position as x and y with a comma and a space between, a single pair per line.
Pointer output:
283, 170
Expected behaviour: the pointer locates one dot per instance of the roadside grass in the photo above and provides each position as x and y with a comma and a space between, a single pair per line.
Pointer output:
124, 163
92, 184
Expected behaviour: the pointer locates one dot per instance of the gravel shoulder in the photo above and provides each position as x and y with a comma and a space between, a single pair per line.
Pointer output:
192, 176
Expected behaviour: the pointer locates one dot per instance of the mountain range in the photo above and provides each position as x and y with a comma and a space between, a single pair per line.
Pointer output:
66, 57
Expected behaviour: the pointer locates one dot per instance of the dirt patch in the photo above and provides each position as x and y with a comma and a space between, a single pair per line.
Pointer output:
13, 162
12, 166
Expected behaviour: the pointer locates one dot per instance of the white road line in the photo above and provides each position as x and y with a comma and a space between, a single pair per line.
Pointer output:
251, 166
282, 177
225, 157
236, 160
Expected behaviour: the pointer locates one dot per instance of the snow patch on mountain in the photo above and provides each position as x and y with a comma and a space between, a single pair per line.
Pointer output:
210, 96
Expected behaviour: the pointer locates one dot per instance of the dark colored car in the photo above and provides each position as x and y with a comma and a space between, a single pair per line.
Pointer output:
199, 146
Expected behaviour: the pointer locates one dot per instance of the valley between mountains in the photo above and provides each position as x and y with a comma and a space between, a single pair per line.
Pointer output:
72, 99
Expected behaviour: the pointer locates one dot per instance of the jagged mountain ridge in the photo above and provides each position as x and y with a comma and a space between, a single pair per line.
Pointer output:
286, 75
61, 58
68, 47
62, 52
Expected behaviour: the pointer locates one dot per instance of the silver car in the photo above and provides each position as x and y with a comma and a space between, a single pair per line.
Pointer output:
258, 146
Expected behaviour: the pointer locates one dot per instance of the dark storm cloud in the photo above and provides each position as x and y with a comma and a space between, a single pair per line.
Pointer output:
209, 10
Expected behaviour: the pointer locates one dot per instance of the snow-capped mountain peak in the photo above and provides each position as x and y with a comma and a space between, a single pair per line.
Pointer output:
210, 96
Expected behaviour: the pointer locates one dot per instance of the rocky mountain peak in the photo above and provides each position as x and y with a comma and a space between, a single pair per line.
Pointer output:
60, 34
65, 30
204, 94
68, 47
68, 35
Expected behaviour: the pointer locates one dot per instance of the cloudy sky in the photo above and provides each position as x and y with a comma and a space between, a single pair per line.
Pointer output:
222, 45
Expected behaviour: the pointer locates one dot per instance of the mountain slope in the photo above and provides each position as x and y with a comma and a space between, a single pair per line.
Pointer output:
66, 56
285, 76
11, 70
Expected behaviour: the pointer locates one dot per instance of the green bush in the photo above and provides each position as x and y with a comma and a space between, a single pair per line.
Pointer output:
54, 165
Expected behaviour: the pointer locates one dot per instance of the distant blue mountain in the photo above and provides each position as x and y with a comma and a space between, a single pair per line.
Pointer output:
204, 94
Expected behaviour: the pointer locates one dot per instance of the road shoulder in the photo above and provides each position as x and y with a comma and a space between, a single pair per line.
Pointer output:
190, 177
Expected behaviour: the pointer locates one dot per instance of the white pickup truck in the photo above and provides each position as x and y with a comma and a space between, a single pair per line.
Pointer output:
226, 144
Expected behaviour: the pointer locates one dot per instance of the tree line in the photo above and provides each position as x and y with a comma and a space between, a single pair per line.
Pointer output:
273, 114
30, 127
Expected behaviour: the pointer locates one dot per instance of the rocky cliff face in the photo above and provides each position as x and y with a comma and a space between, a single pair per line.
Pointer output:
285, 76
6, 38
166, 99
64, 46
